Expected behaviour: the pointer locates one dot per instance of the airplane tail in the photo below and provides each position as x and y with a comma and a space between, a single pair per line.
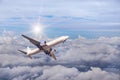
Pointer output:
22, 51
26, 52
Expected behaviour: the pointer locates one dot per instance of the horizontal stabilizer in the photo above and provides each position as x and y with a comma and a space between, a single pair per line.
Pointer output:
22, 51
25, 53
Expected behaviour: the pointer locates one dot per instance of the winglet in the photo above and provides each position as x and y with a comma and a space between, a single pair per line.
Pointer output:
23, 35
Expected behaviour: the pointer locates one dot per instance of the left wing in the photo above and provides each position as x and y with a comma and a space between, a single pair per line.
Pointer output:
35, 42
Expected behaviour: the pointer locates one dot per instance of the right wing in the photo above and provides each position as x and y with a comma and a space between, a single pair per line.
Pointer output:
52, 55
35, 42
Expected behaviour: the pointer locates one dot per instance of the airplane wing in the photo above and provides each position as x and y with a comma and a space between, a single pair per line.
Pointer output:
35, 42
52, 55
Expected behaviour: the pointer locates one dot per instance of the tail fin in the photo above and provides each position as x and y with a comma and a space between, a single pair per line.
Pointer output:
25, 53
28, 50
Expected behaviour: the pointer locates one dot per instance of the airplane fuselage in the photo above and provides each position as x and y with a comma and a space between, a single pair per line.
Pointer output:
47, 47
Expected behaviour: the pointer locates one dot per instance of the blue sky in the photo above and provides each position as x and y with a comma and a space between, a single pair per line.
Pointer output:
62, 16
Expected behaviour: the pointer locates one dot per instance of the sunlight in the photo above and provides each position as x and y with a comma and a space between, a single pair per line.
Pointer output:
37, 28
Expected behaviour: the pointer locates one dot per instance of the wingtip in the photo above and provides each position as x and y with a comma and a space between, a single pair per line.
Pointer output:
22, 35
55, 58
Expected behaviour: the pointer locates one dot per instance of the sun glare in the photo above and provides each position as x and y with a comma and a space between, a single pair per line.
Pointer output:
37, 28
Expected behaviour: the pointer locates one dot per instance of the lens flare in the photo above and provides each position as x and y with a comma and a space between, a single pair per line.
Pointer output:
37, 28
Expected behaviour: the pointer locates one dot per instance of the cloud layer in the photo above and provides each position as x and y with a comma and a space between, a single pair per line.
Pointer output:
54, 72
80, 58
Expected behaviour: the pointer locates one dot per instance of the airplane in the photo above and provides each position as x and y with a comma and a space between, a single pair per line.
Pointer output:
46, 47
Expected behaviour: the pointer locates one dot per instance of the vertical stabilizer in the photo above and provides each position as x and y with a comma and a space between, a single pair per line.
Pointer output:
28, 50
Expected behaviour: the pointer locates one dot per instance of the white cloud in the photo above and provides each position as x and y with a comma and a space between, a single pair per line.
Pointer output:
21, 72
97, 74
60, 72
55, 72
101, 49
71, 56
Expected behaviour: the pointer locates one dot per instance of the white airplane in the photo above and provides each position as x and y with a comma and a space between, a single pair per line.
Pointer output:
46, 48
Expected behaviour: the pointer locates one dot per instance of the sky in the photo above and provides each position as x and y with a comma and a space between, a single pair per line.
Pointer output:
62, 16
91, 53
